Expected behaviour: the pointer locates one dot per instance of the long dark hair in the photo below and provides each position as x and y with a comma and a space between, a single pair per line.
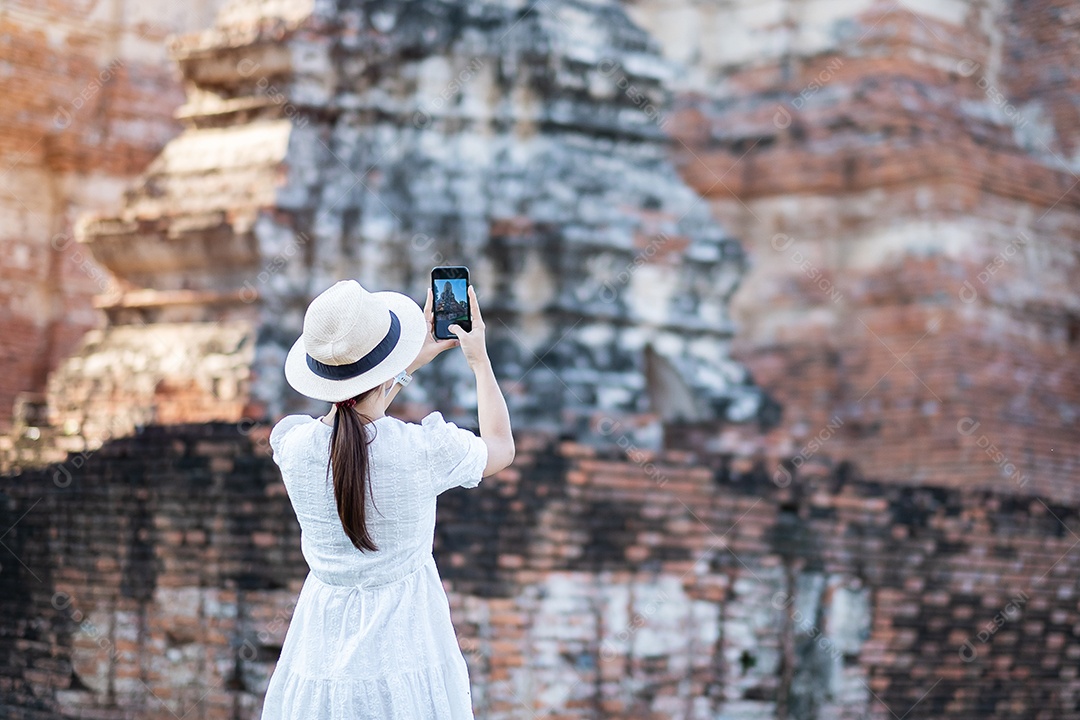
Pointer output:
349, 461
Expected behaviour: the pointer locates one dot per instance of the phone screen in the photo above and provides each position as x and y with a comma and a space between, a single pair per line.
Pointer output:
449, 289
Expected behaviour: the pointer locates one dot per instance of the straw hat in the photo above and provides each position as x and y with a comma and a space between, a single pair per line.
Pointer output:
354, 340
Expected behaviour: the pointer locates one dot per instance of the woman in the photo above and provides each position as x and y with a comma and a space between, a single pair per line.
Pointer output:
371, 635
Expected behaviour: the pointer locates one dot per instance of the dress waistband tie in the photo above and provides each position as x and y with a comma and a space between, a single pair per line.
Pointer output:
402, 571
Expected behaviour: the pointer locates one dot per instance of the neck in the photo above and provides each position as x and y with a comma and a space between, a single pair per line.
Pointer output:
372, 408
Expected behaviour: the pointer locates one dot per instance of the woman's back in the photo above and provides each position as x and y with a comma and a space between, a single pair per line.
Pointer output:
371, 634
410, 465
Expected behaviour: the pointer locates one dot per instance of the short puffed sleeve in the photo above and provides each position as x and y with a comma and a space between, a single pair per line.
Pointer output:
281, 429
456, 457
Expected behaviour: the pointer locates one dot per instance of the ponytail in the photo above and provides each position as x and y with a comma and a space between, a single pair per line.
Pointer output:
349, 462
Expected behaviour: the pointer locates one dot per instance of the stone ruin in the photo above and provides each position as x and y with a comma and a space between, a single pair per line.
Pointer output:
377, 140
648, 555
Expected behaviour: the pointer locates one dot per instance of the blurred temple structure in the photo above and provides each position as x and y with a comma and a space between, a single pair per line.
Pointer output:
785, 298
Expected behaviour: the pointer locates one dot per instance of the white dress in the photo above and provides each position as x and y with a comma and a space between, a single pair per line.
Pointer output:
371, 636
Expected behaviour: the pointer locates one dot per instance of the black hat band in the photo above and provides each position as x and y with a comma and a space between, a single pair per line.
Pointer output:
361, 366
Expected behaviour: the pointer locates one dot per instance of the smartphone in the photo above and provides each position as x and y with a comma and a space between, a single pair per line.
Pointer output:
450, 292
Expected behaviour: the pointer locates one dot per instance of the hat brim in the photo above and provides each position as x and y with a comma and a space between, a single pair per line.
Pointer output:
413, 333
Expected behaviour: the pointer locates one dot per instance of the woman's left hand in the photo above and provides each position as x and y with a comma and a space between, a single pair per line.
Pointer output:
432, 347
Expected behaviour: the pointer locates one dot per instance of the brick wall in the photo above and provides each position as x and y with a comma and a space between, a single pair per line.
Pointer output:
1046, 83
902, 542
156, 577
89, 97
148, 566
906, 184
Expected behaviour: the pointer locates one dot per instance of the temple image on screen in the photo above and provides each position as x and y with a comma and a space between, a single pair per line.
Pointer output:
451, 303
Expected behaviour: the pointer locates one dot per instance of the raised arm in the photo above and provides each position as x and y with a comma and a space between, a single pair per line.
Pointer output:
428, 352
491, 406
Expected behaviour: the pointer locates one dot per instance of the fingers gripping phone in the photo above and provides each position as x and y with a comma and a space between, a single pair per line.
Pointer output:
449, 290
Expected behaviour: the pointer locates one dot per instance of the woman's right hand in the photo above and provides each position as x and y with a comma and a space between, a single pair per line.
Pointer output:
473, 343
490, 404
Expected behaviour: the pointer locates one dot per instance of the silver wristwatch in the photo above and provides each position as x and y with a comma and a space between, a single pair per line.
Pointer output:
403, 378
